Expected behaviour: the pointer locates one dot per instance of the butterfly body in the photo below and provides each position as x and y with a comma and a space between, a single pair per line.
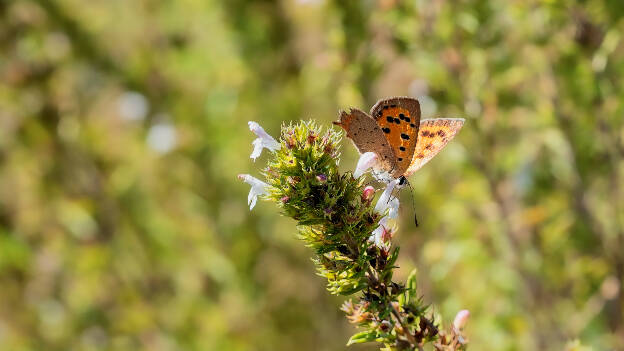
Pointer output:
395, 132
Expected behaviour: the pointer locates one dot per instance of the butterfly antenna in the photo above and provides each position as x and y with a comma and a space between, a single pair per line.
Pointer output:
413, 206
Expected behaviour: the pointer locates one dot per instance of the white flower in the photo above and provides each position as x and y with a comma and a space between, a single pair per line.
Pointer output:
258, 187
387, 201
264, 140
366, 161
460, 319
382, 234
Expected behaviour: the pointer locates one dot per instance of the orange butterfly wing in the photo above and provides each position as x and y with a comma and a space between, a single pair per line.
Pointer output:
399, 120
433, 136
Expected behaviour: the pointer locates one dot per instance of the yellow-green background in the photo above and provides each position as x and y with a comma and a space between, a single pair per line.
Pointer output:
123, 125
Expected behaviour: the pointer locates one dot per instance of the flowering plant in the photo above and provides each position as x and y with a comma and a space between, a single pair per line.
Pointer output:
350, 237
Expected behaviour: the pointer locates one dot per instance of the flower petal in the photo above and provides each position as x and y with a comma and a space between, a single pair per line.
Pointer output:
382, 234
257, 149
264, 140
366, 161
258, 188
387, 201
460, 319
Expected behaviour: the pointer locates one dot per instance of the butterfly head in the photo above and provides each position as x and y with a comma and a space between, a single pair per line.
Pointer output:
402, 182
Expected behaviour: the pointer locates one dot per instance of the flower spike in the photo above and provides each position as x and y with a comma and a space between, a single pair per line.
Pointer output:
350, 236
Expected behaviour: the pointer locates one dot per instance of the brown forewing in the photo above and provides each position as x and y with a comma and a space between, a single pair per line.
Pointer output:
367, 136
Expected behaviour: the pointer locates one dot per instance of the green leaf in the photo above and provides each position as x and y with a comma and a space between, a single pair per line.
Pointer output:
393, 257
411, 285
352, 290
361, 337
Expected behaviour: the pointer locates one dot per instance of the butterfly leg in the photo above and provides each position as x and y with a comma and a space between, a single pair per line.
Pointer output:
369, 182
397, 190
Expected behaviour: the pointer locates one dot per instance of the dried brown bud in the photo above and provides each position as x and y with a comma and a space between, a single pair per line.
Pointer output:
293, 180
356, 313
329, 148
385, 326
290, 142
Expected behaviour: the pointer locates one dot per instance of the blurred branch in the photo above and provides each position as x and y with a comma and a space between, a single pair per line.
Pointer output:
611, 244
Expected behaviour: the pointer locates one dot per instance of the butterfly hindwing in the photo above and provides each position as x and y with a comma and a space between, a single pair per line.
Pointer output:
433, 135
399, 120
367, 136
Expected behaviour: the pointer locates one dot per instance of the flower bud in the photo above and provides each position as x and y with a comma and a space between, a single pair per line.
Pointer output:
321, 178
290, 142
368, 194
329, 148
285, 199
460, 319
293, 180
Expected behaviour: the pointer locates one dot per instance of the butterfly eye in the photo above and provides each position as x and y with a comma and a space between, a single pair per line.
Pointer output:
402, 180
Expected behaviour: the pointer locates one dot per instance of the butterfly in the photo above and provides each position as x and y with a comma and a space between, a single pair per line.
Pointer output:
394, 131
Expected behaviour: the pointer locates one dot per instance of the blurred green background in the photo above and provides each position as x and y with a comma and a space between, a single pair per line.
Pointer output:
123, 125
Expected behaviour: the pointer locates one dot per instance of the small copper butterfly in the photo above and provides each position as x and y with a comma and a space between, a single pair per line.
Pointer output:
394, 131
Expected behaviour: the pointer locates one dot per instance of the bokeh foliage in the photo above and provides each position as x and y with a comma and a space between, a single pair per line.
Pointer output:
123, 126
